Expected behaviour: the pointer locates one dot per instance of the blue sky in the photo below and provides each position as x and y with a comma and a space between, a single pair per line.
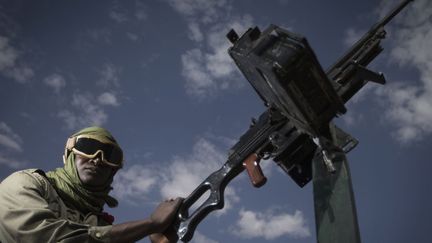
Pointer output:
157, 74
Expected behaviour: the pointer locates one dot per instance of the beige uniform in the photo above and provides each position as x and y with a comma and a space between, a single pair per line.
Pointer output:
32, 211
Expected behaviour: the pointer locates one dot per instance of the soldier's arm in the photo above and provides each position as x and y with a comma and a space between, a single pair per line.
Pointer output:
156, 225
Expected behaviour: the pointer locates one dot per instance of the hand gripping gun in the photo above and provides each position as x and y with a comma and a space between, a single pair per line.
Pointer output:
301, 100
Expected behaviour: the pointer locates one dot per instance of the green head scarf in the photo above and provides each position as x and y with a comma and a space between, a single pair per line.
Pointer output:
68, 185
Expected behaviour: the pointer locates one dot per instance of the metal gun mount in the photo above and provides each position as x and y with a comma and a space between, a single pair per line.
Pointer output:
284, 71
296, 130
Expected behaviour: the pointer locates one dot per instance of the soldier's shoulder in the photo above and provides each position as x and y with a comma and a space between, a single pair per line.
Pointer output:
25, 177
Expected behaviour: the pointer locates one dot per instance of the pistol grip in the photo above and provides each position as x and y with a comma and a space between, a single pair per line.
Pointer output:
251, 164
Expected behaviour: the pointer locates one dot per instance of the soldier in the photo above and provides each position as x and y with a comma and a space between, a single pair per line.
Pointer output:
66, 205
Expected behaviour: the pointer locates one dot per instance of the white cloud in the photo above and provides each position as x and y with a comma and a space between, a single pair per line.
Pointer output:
200, 238
134, 183
409, 110
150, 59
185, 174
208, 72
56, 82
10, 64
200, 10
141, 14
208, 69
11, 162
352, 36
99, 35
118, 16
218, 62
109, 76
179, 178
88, 108
8, 54
198, 80
118, 13
10, 143
410, 103
83, 112
140, 11
9, 139
132, 36
107, 98
270, 225
195, 33
352, 118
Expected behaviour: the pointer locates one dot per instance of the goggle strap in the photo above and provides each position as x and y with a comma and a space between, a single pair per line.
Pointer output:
70, 143
94, 155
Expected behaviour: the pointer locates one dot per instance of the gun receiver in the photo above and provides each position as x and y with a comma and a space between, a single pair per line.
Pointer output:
302, 100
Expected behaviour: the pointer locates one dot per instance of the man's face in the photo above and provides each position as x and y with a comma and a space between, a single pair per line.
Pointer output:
93, 172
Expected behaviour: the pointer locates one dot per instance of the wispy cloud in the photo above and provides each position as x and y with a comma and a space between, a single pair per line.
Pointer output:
410, 103
109, 76
200, 238
9, 143
201, 10
185, 174
120, 14
207, 68
9, 139
11, 64
108, 98
131, 36
99, 35
85, 108
12, 162
117, 13
134, 183
270, 225
179, 178
140, 10
10, 146
56, 82
91, 38
84, 111
352, 118
352, 35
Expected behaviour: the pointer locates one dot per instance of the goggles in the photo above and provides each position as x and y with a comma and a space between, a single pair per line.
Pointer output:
90, 146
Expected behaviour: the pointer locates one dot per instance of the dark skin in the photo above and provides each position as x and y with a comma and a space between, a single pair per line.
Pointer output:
94, 172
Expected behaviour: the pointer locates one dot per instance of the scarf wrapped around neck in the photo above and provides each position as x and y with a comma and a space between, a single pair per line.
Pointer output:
74, 193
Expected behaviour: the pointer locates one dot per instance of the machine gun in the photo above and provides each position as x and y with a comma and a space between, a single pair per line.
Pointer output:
301, 100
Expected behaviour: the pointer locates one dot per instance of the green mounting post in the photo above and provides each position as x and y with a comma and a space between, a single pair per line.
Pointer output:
335, 210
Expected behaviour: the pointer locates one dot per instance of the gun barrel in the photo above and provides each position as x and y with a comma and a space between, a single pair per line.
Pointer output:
394, 12
333, 70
